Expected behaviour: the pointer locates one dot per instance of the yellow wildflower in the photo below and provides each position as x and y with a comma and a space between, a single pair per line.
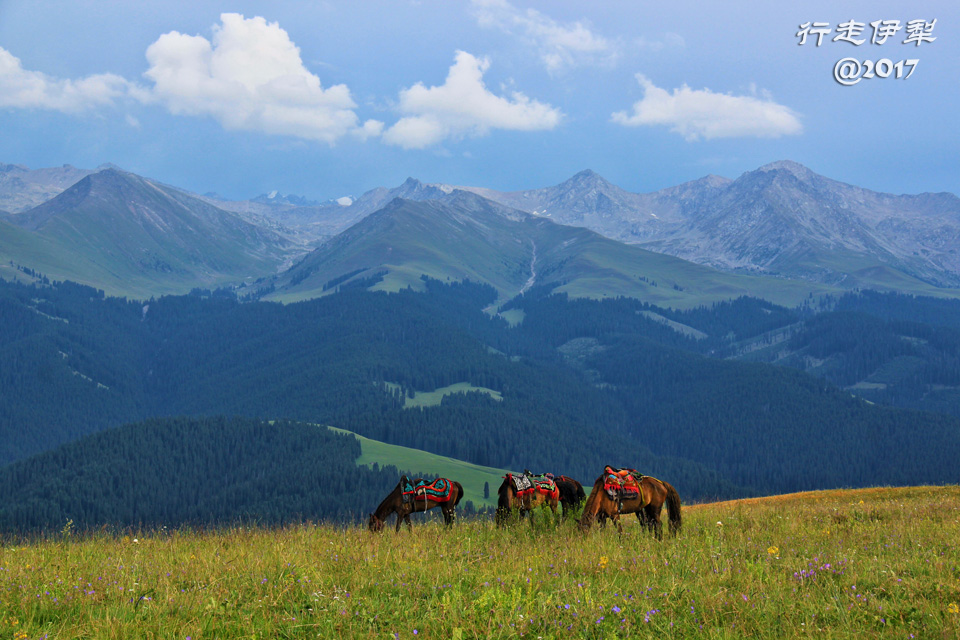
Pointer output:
603, 562
773, 550
953, 608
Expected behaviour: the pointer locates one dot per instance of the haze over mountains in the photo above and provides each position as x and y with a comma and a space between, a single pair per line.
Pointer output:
134, 236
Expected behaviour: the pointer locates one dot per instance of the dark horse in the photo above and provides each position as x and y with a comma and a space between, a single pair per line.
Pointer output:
394, 503
508, 500
647, 505
571, 494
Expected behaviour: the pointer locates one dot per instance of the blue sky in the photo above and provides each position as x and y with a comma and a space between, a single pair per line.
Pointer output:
327, 99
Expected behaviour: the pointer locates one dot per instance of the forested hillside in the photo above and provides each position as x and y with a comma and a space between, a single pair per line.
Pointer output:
196, 471
583, 383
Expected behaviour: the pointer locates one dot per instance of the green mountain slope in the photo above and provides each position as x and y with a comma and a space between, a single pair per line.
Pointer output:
128, 235
467, 237
410, 460
581, 383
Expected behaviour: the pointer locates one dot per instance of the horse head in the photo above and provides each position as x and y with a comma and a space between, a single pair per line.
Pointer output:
375, 524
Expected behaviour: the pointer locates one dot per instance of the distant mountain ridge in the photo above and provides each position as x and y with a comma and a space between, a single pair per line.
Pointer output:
22, 188
129, 234
464, 236
780, 220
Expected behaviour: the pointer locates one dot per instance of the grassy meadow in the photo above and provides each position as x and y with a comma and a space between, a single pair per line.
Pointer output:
838, 564
413, 461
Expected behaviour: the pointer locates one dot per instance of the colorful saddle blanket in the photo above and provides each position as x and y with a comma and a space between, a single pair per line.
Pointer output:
546, 486
622, 484
420, 489
522, 483
527, 483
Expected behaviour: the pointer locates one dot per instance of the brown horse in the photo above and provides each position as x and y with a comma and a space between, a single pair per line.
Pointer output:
509, 501
647, 505
420, 501
571, 494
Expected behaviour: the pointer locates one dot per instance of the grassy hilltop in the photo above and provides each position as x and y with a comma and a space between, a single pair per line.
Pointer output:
839, 564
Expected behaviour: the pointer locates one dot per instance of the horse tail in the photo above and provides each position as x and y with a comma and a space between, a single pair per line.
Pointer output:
503, 502
459, 492
580, 495
673, 507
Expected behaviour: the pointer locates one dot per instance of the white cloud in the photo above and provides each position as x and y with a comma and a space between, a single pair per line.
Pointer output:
464, 106
559, 45
25, 89
251, 77
697, 114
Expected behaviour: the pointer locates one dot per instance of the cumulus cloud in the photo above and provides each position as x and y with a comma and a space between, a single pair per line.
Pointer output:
251, 77
21, 88
463, 106
701, 113
559, 45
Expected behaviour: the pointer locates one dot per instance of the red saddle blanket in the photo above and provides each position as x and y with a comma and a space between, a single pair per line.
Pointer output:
527, 484
437, 491
623, 483
546, 486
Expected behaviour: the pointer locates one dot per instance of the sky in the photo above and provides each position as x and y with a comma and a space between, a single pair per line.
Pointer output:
327, 99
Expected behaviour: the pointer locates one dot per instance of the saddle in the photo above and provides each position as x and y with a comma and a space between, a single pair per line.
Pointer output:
421, 490
522, 483
622, 484
528, 483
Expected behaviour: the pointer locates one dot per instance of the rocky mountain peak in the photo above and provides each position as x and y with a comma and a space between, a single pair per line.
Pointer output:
586, 179
794, 168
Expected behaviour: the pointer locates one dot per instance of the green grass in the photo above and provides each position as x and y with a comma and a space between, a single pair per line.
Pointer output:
870, 564
514, 317
409, 460
433, 398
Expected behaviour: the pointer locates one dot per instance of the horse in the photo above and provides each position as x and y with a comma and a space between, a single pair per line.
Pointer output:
508, 500
394, 503
571, 494
647, 504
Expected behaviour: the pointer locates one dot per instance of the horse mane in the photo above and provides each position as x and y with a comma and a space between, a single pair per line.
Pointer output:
384, 509
590, 508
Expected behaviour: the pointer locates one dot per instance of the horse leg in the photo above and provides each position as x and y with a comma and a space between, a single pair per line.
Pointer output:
653, 521
616, 520
400, 518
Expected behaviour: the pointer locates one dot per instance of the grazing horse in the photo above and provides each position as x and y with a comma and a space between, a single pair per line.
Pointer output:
647, 504
421, 500
524, 501
571, 494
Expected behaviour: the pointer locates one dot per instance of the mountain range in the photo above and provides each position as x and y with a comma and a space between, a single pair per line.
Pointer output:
127, 234
781, 219
780, 232
577, 349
